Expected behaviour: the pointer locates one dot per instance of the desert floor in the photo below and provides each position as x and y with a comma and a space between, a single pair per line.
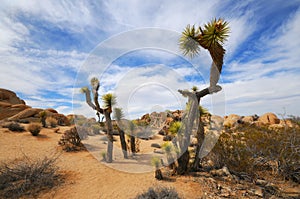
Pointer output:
86, 176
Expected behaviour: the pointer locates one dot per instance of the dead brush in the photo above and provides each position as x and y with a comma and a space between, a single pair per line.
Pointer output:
27, 177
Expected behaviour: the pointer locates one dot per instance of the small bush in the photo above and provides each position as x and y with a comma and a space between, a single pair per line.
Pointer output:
15, 127
34, 128
52, 122
159, 193
28, 178
71, 141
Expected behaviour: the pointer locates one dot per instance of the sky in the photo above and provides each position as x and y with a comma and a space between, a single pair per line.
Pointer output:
50, 49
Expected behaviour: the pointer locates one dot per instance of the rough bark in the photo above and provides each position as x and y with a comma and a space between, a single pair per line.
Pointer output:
109, 153
158, 174
200, 138
183, 161
188, 122
123, 143
132, 144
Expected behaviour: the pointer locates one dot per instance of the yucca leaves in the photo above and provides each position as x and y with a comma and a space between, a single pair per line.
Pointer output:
189, 41
109, 100
212, 36
215, 32
118, 114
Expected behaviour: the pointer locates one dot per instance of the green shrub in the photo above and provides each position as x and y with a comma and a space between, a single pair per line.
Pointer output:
15, 127
28, 178
34, 128
159, 193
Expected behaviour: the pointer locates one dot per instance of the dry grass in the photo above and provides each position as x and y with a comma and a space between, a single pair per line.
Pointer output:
253, 151
26, 177
159, 193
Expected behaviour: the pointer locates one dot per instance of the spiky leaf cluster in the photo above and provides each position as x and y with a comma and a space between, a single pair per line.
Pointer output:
118, 114
188, 41
214, 34
109, 100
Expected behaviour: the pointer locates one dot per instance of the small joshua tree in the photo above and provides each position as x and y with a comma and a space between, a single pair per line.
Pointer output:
155, 161
169, 149
118, 115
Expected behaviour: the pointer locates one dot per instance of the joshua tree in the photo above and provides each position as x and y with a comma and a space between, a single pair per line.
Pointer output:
109, 100
118, 115
132, 137
211, 38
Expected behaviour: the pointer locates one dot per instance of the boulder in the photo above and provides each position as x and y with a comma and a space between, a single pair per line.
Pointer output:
268, 119
51, 110
62, 120
248, 119
231, 120
10, 97
10, 104
177, 115
287, 123
29, 112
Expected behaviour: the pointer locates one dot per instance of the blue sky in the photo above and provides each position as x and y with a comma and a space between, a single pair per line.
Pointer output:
49, 49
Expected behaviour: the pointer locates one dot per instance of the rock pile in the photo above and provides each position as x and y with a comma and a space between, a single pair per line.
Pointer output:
12, 108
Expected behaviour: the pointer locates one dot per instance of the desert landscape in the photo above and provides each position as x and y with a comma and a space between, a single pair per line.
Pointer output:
82, 172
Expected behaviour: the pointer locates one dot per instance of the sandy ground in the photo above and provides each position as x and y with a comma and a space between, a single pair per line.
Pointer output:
86, 175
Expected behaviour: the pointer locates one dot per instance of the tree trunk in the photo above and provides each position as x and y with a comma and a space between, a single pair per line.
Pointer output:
132, 144
188, 122
200, 138
123, 143
109, 128
158, 174
183, 161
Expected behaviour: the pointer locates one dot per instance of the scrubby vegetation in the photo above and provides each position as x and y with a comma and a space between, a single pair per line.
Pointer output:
51, 121
15, 127
251, 151
159, 193
34, 128
28, 178
71, 141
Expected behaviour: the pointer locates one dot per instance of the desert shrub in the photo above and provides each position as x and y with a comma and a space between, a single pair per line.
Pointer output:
34, 128
71, 141
25, 177
52, 122
249, 150
15, 127
159, 193
103, 155
24, 121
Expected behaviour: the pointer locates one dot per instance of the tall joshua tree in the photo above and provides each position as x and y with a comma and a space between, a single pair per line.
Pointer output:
109, 100
211, 37
118, 115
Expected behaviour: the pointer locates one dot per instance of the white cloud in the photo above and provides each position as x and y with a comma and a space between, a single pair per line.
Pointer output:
267, 81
